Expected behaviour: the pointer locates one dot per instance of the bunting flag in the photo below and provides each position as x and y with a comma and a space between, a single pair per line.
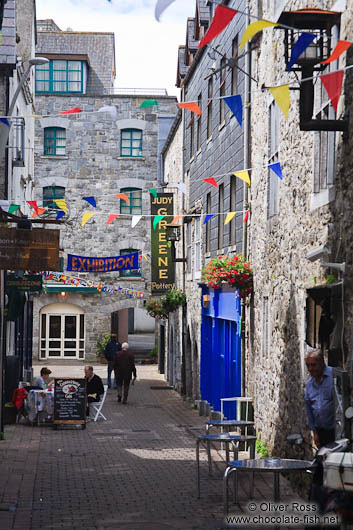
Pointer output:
61, 203
13, 208
86, 217
182, 187
123, 197
111, 218
90, 200
304, 40
246, 216
341, 47
161, 6
110, 109
157, 219
333, 86
282, 98
5, 121
36, 116
60, 214
39, 211
229, 217
243, 175
33, 204
208, 217
148, 103
153, 192
135, 219
176, 219
212, 181
276, 167
75, 110
254, 28
193, 107
222, 17
236, 106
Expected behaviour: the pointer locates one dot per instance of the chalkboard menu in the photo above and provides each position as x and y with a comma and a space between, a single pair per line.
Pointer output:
70, 401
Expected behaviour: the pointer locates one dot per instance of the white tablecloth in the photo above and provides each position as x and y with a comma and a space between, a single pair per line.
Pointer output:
39, 401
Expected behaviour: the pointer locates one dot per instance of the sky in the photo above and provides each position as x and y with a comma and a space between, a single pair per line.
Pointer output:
146, 50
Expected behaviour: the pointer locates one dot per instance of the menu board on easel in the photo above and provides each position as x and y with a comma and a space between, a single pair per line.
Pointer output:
70, 402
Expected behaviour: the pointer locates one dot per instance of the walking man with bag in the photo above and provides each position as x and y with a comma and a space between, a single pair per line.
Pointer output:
110, 351
124, 368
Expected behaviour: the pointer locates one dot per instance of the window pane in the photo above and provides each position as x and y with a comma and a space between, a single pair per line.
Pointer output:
82, 328
125, 134
74, 65
59, 65
54, 326
136, 134
43, 326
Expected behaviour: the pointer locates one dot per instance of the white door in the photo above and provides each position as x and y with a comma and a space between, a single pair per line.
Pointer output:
62, 336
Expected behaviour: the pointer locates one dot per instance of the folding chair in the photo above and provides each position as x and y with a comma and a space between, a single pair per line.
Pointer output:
98, 405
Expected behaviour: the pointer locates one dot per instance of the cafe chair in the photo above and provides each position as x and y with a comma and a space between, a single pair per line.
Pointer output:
96, 406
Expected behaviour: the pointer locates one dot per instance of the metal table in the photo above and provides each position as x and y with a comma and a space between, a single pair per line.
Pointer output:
264, 465
228, 423
226, 438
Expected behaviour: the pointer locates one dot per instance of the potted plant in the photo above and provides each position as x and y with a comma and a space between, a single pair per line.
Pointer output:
161, 307
155, 309
101, 343
153, 355
234, 271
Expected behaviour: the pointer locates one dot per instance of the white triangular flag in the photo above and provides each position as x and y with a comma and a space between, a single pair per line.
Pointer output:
111, 109
182, 187
135, 219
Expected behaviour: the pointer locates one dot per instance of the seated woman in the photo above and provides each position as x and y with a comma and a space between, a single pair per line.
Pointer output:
42, 381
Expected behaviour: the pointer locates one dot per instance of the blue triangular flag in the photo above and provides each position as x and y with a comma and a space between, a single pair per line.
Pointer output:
276, 167
236, 106
60, 214
305, 39
5, 121
208, 217
90, 200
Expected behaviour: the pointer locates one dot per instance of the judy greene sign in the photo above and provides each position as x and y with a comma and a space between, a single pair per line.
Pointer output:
161, 257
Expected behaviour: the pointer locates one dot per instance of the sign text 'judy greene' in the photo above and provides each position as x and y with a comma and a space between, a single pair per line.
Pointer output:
113, 263
162, 265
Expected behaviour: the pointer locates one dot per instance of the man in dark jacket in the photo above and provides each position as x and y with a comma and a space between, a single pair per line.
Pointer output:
110, 351
124, 368
94, 386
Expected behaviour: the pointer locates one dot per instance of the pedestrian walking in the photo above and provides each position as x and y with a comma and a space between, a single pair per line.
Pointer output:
124, 368
110, 351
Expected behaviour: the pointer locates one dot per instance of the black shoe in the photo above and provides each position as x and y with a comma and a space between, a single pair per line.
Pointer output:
119, 399
124, 401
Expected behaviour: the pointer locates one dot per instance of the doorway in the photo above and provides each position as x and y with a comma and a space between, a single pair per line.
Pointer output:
62, 333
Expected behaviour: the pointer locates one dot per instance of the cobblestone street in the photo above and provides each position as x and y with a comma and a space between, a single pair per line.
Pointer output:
135, 471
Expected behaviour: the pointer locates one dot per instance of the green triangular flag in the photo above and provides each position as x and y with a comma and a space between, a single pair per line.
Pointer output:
13, 208
153, 192
148, 103
156, 220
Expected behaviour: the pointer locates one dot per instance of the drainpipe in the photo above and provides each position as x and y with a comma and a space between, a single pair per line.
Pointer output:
247, 164
184, 265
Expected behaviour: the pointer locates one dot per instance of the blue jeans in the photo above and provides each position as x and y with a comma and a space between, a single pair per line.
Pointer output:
109, 379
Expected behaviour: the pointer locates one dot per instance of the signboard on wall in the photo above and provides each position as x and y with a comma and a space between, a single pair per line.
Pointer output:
163, 268
33, 250
30, 283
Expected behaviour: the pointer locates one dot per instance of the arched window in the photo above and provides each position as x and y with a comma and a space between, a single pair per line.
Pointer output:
50, 193
54, 141
131, 142
134, 207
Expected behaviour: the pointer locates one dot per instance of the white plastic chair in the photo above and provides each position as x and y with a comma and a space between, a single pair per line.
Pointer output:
98, 405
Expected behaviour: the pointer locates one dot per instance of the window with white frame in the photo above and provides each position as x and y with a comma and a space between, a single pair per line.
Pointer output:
209, 107
273, 143
197, 236
189, 247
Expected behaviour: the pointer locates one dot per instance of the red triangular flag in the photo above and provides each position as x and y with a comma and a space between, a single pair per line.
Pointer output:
246, 216
39, 211
223, 15
341, 46
75, 110
212, 181
191, 106
34, 205
333, 85
124, 197
111, 217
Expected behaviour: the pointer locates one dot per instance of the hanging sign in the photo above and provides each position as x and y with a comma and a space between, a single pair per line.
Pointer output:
29, 282
114, 263
163, 274
33, 250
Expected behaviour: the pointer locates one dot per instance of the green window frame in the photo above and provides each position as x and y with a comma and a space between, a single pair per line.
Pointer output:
50, 193
135, 205
131, 143
54, 141
136, 273
59, 76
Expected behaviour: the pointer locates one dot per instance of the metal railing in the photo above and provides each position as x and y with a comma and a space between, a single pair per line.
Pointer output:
138, 91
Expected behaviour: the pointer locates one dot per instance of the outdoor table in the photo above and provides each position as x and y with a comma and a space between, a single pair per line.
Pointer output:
228, 423
264, 465
39, 401
228, 439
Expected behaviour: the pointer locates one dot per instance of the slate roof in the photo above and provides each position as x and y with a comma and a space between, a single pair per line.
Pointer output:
8, 36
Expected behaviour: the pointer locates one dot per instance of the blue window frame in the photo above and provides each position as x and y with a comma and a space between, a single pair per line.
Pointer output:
54, 141
131, 142
59, 76
130, 272
50, 193
135, 205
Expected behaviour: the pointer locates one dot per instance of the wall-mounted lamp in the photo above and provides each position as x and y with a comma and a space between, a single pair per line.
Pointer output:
63, 294
338, 266
206, 300
173, 235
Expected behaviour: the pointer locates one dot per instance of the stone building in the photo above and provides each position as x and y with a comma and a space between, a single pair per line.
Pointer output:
93, 154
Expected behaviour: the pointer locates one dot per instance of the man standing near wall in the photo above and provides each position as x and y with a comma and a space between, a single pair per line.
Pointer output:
124, 368
110, 351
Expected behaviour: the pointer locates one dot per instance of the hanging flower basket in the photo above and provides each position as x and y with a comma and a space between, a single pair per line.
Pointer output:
161, 307
234, 271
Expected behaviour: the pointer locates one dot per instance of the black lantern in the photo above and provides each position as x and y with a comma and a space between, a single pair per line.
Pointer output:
173, 235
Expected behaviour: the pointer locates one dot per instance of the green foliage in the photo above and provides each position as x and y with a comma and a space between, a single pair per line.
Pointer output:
261, 448
234, 271
330, 278
161, 307
101, 343
152, 354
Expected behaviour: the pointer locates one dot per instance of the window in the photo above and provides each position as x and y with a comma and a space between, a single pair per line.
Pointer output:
197, 244
130, 272
189, 247
265, 326
220, 215
54, 141
236, 205
191, 127
50, 193
209, 107
235, 69
135, 201
60, 76
131, 142
222, 91
208, 224
19, 139
198, 132
324, 152
272, 179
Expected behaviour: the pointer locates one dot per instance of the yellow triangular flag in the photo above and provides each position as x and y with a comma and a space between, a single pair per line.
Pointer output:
243, 175
254, 28
37, 116
282, 98
61, 203
229, 217
86, 217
